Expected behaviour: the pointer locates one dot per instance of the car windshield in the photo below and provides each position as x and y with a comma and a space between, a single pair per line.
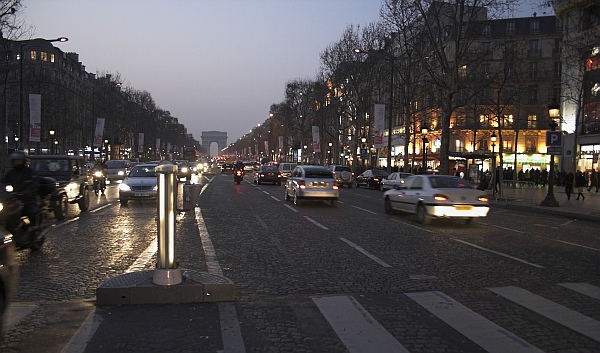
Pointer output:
343, 168
143, 171
272, 169
41, 166
441, 182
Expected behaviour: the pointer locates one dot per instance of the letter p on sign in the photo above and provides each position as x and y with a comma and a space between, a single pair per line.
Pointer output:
553, 138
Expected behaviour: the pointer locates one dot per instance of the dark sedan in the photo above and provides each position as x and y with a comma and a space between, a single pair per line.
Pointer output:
227, 168
371, 178
268, 174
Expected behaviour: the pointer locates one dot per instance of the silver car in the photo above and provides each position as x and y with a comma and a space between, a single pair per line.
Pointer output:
394, 179
310, 182
140, 184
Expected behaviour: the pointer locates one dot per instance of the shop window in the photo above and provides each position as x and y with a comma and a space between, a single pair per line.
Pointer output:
530, 145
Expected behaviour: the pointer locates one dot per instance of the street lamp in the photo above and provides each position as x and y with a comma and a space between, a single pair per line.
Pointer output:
329, 152
493, 137
425, 143
390, 121
363, 141
51, 132
21, 47
553, 113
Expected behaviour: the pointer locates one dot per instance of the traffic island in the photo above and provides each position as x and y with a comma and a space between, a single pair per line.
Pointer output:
139, 288
167, 283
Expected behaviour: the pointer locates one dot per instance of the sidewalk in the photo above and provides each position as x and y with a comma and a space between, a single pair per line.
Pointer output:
529, 199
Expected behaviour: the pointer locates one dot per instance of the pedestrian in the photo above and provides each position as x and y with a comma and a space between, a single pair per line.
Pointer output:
593, 180
580, 183
569, 184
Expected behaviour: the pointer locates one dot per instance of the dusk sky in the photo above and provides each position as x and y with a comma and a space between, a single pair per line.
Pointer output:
214, 64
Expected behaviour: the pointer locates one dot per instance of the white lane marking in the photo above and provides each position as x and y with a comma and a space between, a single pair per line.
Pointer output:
478, 329
503, 228
364, 210
579, 245
358, 330
366, 253
140, 263
566, 223
274, 198
291, 208
83, 336
265, 192
231, 333
100, 208
15, 312
553, 311
412, 225
315, 223
583, 288
63, 223
499, 253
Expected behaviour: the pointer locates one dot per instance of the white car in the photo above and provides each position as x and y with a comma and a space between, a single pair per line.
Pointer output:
394, 179
311, 182
437, 196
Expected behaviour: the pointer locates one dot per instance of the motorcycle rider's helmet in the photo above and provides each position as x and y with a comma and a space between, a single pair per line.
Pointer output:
18, 159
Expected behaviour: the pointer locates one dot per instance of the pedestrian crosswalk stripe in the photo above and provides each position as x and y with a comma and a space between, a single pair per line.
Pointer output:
556, 312
357, 329
583, 288
478, 329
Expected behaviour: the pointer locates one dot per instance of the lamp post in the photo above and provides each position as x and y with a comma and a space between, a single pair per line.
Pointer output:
425, 141
51, 132
363, 141
56, 146
329, 153
493, 137
21, 47
390, 120
553, 113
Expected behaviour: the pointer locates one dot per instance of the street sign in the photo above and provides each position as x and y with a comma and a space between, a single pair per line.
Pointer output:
554, 150
363, 153
553, 138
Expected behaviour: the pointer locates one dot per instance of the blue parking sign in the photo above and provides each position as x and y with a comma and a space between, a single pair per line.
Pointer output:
553, 138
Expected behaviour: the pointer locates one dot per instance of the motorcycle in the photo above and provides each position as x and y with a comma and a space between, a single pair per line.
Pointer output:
99, 182
27, 233
238, 176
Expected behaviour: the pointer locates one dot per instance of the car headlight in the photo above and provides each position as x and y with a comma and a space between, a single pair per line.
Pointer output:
9, 188
1, 206
98, 174
124, 187
121, 172
72, 187
155, 188
184, 170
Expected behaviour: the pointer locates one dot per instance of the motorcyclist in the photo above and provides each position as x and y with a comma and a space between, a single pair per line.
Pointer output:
100, 166
22, 180
239, 165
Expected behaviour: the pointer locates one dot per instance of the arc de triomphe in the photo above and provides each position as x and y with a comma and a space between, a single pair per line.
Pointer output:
209, 137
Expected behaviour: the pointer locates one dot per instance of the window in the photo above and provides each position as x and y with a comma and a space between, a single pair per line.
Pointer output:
51, 58
507, 146
532, 95
530, 145
43, 56
556, 49
507, 120
460, 122
486, 49
459, 145
33, 55
532, 121
532, 69
462, 71
485, 70
487, 30
510, 27
534, 26
557, 68
509, 48
534, 47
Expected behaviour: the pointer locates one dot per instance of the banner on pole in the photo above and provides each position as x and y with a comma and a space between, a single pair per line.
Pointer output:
99, 132
316, 139
141, 142
379, 114
35, 117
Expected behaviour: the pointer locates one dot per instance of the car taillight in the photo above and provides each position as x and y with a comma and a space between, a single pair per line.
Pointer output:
375, 179
482, 199
239, 173
302, 184
262, 175
335, 187
439, 197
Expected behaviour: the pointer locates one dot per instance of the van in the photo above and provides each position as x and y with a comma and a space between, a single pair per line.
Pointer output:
286, 169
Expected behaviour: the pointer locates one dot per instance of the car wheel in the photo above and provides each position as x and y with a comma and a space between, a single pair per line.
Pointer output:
387, 204
61, 207
297, 201
357, 184
84, 202
334, 203
123, 202
422, 216
381, 187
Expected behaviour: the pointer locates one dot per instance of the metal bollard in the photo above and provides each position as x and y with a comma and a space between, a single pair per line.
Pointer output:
167, 271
